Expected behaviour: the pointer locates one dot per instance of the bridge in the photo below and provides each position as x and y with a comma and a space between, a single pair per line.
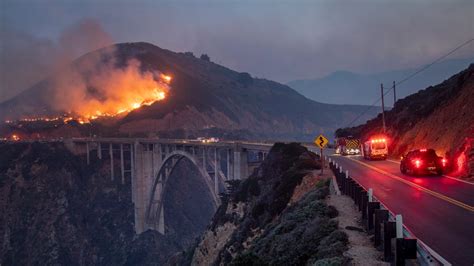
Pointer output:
148, 163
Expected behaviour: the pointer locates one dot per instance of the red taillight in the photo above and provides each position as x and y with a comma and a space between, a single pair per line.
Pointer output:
417, 163
422, 150
444, 162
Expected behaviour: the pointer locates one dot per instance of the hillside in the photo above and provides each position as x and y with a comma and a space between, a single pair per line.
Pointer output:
440, 117
365, 88
278, 216
204, 99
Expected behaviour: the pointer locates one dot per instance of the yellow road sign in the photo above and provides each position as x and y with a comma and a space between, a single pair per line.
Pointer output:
321, 141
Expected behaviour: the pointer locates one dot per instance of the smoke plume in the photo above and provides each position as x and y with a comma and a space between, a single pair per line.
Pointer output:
26, 59
94, 87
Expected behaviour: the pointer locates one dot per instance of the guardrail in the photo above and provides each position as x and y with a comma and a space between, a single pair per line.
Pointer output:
390, 234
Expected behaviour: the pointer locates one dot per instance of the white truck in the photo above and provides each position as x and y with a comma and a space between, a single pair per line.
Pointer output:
375, 148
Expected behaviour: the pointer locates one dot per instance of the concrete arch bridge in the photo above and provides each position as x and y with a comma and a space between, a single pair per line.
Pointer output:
147, 165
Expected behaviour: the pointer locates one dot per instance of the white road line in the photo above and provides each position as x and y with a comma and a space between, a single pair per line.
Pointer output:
460, 180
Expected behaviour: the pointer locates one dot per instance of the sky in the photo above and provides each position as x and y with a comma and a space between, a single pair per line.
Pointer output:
278, 40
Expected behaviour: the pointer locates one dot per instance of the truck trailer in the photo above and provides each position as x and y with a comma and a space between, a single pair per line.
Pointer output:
347, 146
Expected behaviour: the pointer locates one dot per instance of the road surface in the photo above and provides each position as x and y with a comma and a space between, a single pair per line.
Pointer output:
437, 210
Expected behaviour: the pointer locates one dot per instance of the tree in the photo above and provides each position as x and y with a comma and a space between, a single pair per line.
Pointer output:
205, 57
244, 78
189, 54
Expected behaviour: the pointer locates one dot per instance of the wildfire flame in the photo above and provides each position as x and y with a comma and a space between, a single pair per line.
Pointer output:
143, 91
131, 90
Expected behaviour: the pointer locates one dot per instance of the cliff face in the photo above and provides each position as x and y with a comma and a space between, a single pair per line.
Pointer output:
58, 211
439, 117
263, 221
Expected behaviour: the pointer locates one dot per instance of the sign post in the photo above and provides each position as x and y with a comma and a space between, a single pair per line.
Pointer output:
321, 141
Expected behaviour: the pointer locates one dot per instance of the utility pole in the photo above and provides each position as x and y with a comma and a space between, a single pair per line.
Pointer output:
394, 94
383, 108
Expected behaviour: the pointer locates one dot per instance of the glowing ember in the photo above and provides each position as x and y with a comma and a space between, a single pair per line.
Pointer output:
166, 78
15, 137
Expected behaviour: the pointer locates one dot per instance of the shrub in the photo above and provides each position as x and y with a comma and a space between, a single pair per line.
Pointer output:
205, 57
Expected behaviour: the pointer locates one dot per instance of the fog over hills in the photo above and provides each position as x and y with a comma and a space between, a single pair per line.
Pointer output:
365, 88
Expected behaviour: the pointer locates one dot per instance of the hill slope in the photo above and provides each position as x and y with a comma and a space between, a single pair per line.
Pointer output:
264, 221
205, 98
364, 88
440, 117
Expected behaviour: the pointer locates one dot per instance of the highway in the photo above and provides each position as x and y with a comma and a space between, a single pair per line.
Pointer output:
437, 210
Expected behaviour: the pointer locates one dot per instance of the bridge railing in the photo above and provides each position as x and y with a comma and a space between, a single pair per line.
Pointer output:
384, 224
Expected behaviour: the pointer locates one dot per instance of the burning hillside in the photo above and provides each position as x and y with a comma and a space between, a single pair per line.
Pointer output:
98, 87
108, 85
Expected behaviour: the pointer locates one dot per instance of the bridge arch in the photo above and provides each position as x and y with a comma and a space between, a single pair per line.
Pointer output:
154, 212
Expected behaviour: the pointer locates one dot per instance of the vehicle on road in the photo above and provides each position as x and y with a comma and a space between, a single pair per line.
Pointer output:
208, 140
422, 162
347, 146
375, 148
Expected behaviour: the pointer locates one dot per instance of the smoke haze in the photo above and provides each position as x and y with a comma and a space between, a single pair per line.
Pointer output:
26, 59
280, 40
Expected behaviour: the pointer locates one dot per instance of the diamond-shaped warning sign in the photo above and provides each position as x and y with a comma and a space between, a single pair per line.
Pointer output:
321, 141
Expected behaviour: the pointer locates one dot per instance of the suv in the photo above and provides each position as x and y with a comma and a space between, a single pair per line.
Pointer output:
422, 162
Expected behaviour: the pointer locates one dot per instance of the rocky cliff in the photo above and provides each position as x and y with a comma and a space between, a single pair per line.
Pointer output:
278, 216
439, 117
56, 210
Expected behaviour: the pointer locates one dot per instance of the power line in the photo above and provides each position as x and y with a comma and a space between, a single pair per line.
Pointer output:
411, 76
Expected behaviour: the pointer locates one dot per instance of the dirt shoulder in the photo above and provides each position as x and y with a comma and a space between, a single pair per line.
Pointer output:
361, 249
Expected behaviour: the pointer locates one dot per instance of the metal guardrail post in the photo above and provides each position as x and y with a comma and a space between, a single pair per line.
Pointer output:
371, 207
389, 232
405, 248
380, 217
359, 191
352, 189
363, 204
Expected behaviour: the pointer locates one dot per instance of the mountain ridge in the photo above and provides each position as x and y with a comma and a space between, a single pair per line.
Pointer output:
204, 96
364, 88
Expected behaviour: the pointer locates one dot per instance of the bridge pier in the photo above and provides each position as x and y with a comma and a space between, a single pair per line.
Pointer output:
230, 173
122, 168
111, 155
88, 160
216, 171
240, 164
99, 151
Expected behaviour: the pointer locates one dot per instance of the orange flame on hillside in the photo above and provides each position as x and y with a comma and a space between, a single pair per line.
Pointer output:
107, 93
123, 90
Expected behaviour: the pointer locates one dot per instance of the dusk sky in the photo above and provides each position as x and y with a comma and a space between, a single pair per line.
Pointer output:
278, 40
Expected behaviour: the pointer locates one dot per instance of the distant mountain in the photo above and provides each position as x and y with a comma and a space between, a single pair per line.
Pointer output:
365, 88
205, 98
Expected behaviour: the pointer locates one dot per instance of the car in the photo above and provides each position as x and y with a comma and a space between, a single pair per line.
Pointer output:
422, 162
